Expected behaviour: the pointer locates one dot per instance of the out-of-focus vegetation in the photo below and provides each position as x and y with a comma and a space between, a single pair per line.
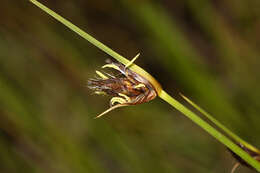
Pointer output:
208, 50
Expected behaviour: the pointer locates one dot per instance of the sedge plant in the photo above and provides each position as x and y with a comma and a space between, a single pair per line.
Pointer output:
231, 144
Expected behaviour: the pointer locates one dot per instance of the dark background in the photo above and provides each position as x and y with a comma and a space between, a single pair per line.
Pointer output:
208, 50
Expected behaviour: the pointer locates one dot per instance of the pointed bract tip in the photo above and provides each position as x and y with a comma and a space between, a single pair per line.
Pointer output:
110, 109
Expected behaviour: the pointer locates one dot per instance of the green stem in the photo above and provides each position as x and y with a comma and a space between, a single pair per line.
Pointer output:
80, 32
221, 126
212, 131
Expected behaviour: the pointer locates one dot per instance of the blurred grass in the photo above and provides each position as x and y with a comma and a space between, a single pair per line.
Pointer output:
46, 121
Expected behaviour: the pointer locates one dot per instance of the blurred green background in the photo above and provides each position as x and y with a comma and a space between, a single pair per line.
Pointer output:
208, 50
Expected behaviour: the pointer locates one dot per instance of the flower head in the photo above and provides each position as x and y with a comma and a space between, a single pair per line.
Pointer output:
127, 87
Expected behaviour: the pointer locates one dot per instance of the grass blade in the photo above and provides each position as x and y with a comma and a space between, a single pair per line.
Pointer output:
211, 130
220, 125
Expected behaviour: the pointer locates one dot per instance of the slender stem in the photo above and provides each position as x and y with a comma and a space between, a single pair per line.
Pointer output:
212, 131
83, 34
220, 125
